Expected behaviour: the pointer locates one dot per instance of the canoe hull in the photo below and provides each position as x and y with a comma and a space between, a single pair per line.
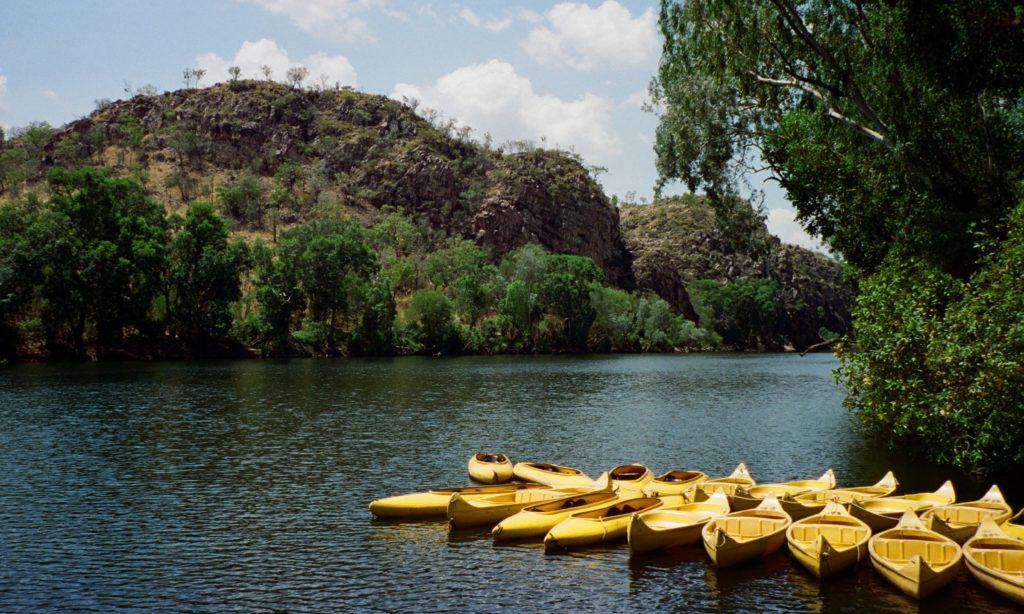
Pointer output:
535, 521
576, 531
490, 468
434, 503
465, 512
666, 528
741, 536
916, 560
996, 560
829, 542
552, 476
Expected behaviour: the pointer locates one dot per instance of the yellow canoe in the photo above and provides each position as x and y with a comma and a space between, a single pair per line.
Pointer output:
739, 478
813, 502
603, 524
749, 498
959, 521
553, 476
1014, 527
434, 503
490, 468
477, 511
674, 482
883, 513
662, 528
996, 560
828, 542
915, 559
748, 534
628, 477
537, 520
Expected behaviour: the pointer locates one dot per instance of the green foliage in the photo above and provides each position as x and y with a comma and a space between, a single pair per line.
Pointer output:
204, 274
743, 312
565, 292
519, 311
430, 313
526, 264
938, 362
243, 201
875, 117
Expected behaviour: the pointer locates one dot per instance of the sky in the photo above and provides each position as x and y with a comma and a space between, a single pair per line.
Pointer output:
571, 75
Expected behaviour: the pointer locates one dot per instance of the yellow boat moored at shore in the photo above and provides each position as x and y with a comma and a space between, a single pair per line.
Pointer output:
602, 524
813, 502
996, 560
628, 477
553, 476
828, 542
1014, 527
749, 498
915, 559
480, 511
674, 482
881, 513
434, 503
960, 521
490, 468
747, 534
661, 529
739, 478
536, 520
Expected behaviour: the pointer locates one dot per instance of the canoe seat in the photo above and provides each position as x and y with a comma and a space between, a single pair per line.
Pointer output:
747, 527
1006, 561
902, 550
837, 535
964, 515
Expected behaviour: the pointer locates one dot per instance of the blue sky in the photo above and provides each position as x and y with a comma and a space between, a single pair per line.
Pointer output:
565, 74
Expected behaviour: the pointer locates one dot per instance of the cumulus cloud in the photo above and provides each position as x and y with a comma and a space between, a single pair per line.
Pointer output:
336, 20
782, 223
493, 24
585, 38
253, 55
493, 98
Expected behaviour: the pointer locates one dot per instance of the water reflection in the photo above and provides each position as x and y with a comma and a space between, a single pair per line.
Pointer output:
213, 486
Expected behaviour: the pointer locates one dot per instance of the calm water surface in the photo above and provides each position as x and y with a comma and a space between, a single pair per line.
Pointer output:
243, 485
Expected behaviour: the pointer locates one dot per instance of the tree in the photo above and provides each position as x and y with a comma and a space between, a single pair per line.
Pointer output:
267, 71
743, 311
518, 313
105, 259
565, 292
204, 274
873, 116
235, 72
243, 201
296, 75
430, 312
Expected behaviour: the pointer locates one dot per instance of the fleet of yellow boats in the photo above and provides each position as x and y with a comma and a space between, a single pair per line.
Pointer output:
913, 540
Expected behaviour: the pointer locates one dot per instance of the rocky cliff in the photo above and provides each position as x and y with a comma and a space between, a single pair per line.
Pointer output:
352, 154
676, 241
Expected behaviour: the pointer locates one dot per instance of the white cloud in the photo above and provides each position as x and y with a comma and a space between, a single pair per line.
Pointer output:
493, 98
253, 55
585, 38
331, 19
638, 99
493, 24
782, 223
52, 95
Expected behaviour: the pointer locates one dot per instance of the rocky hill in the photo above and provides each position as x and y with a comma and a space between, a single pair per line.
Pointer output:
310, 153
676, 241
345, 153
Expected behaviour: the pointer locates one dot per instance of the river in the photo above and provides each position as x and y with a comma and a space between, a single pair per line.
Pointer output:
244, 485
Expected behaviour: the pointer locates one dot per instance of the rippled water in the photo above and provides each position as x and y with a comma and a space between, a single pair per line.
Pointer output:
243, 486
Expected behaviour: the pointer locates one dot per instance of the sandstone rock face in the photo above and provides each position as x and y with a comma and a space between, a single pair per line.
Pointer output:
676, 241
373, 152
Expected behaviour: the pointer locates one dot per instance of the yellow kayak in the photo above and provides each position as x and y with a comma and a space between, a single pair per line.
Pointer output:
490, 468
537, 520
881, 513
553, 476
996, 560
674, 482
828, 542
1014, 527
434, 503
739, 478
629, 477
813, 502
749, 498
603, 524
748, 534
477, 511
661, 529
959, 521
917, 560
